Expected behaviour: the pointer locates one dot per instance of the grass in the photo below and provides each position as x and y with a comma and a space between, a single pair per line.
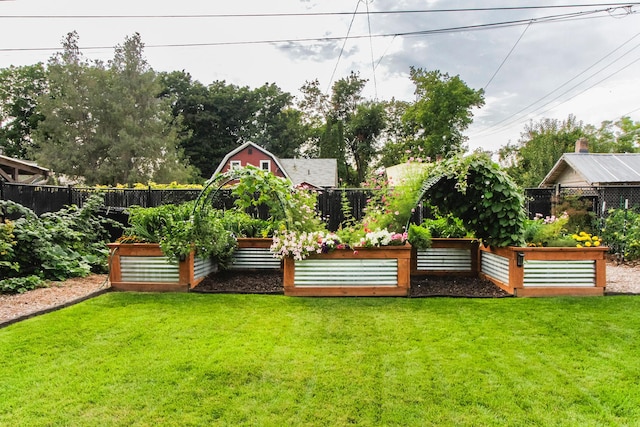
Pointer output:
192, 359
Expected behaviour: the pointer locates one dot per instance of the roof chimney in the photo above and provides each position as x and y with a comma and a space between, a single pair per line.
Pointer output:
582, 145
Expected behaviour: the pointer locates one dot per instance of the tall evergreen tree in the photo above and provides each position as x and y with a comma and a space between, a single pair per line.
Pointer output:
20, 88
106, 124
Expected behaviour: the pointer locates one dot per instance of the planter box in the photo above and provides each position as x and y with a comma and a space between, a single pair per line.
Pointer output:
381, 271
143, 267
545, 271
450, 257
254, 254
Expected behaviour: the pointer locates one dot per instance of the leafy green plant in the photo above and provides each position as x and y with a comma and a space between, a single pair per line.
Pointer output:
445, 226
241, 224
579, 210
56, 245
18, 285
621, 233
419, 236
548, 231
7, 242
179, 230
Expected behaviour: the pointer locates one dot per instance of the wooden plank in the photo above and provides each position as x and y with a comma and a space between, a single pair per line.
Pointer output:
374, 291
149, 287
559, 291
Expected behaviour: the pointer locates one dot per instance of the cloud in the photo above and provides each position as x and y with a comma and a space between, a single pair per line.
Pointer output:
317, 51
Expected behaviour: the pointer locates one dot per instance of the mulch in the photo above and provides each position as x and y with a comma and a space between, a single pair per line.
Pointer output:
270, 282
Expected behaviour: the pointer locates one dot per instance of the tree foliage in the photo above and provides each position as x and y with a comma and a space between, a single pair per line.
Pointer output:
539, 148
219, 117
105, 123
20, 88
345, 125
441, 112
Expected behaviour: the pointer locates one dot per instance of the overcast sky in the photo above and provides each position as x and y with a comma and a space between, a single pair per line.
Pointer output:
533, 63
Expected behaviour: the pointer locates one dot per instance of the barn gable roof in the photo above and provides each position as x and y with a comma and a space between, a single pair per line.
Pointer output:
314, 172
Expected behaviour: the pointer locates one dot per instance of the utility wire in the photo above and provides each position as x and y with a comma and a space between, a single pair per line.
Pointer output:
312, 14
503, 24
508, 122
507, 57
333, 74
373, 66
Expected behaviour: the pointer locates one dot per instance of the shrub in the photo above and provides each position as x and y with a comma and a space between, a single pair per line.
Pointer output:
548, 231
56, 245
179, 230
621, 233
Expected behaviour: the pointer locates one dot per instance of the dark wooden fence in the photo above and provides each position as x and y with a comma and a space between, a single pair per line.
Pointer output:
44, 198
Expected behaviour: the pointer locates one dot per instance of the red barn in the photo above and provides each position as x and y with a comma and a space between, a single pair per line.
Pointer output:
319, 173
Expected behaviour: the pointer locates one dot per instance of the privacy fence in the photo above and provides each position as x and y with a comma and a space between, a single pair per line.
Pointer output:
45, 198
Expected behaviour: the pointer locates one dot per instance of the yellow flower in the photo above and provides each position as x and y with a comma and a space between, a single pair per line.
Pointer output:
578, 245
582, 233
595, 238
597, 243
588, 244
574, 236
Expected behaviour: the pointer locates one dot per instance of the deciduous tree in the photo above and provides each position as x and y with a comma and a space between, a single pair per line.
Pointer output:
441, 112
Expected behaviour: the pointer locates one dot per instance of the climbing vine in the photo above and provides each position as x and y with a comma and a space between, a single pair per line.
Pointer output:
482, 195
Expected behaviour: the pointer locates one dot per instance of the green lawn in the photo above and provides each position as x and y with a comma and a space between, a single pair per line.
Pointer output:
193, 359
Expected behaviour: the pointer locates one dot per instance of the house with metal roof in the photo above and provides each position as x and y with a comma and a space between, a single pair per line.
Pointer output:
318, 173
584, 169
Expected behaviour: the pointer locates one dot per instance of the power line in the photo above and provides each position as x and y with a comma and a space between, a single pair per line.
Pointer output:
333, 74
373, 66
503, 24
507, 57
508, 122
313, 14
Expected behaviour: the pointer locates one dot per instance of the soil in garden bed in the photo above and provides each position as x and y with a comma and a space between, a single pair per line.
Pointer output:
270, 282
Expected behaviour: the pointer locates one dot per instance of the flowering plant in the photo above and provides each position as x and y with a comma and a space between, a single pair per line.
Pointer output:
547, 231
383, 238
586, 240
299, 245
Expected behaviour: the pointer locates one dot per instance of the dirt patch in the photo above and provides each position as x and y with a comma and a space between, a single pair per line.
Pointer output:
270, 282
452, 286
243, 282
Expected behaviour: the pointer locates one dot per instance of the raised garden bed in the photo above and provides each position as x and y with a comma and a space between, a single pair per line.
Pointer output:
378, 271
455, 257
143, 267
549, 271
254, 254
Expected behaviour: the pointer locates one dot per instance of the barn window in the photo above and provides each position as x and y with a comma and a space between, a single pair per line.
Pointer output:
265, 165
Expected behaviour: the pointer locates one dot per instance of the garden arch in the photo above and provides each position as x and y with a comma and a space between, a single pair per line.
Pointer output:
270, 188
481, 194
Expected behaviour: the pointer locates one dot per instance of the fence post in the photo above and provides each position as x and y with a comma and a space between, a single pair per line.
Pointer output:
1, 189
